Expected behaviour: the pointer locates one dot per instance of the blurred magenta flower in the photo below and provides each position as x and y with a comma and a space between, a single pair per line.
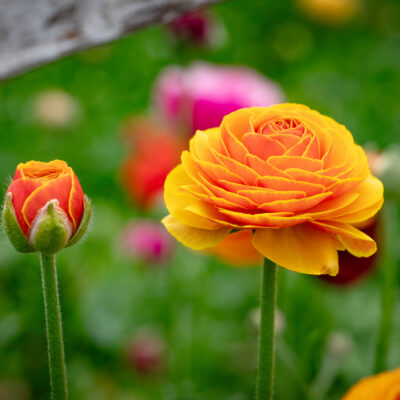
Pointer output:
201, 95
147, 240
200, 28
145, 353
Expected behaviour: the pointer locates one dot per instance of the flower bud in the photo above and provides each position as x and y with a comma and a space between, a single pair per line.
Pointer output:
45, 209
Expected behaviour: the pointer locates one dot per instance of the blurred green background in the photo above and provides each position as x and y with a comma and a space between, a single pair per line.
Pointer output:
199, 306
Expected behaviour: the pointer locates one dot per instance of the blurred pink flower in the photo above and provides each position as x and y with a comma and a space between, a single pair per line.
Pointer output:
147, 240
145, 352
200, 96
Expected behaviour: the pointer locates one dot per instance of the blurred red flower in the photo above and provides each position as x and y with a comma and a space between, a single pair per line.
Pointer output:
200, 28
153, 152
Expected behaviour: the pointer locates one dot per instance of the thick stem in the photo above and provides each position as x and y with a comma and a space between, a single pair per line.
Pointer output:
265, 376
389, 234
55, 345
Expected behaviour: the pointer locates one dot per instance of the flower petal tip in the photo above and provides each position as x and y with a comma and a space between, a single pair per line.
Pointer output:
195, 238
331, 269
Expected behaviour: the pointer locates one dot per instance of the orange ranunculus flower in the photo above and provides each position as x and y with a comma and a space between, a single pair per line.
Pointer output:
36, 183
291, 176
384, 386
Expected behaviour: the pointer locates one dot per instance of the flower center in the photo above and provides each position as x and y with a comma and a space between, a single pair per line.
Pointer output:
42, 171
290, 126
282, 138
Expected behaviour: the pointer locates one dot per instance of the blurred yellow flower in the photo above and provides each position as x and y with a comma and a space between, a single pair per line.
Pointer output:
330, 11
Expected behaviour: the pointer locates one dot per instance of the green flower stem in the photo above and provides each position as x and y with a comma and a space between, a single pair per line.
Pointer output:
389, 234
55, 345
265, 376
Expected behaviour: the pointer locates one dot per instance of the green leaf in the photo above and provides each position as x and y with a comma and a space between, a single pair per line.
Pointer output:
13, 229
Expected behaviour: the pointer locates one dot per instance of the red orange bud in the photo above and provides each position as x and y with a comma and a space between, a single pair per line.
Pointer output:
45, 207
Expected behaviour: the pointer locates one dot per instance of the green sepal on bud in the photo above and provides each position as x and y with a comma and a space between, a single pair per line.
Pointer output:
51, 229
12, 228
87, 213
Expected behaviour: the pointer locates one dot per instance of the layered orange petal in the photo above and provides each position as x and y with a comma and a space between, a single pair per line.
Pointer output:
21, 189
353, 240
178, 200
75, 202
58, 188
301, 248
194, 238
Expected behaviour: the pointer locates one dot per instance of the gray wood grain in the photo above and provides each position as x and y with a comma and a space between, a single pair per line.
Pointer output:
35, 32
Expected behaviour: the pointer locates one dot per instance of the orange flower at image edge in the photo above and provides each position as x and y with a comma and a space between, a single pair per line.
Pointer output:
291, 178
384, 386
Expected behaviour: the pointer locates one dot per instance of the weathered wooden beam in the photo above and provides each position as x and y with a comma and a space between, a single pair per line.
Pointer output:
35, 32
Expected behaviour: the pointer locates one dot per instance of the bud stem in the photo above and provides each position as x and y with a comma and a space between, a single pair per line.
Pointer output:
265, 376
55, 345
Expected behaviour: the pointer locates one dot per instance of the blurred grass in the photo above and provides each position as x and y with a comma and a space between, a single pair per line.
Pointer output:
350, 72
